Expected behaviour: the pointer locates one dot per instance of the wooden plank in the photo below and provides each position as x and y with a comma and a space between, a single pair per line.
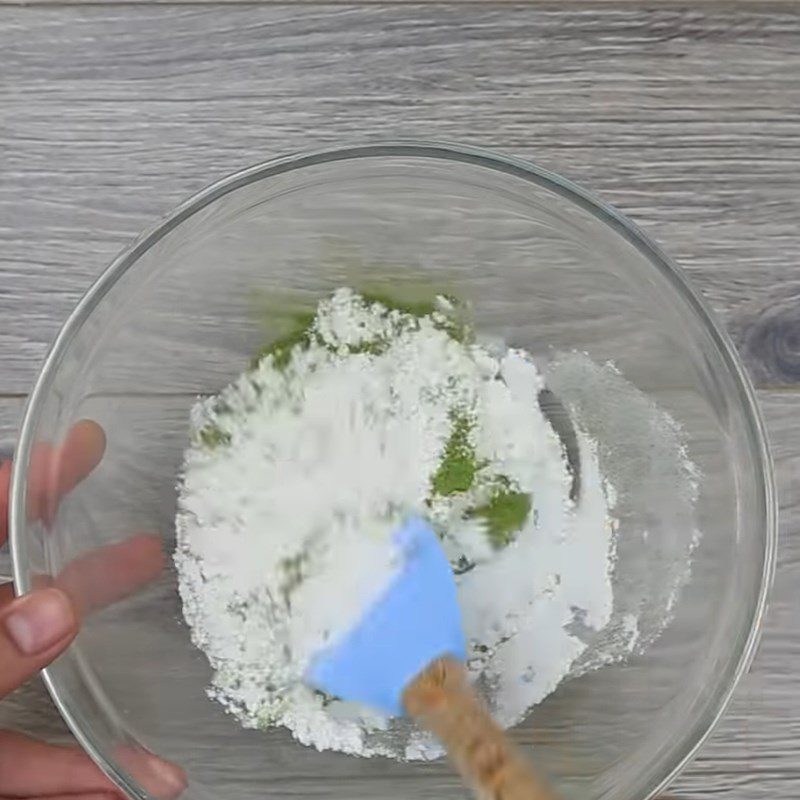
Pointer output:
161, 100
732, 4
29, 708
752, 754
112, 115
576, 4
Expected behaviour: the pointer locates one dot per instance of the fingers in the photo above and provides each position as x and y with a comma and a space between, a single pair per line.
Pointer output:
29, 768
53, 472
5, 482
34, 629
108, 574
100, 577
103, 576
160, 779
79, 796
6, 593
78, 456
39, 479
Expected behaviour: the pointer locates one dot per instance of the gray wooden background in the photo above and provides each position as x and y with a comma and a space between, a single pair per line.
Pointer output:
687, 118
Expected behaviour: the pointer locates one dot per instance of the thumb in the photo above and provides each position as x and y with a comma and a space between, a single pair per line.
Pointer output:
34, 629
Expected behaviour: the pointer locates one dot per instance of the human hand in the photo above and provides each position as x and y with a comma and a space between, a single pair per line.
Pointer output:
36, 628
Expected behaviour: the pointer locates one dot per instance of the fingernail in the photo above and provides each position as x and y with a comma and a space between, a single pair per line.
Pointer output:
39, 620
169, 779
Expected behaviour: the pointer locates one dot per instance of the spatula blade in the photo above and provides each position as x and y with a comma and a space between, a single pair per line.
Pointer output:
415, 621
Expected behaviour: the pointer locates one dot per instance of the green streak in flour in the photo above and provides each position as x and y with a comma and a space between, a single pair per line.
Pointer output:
457, 470
414, 308
504, 515
281, 349
211, 436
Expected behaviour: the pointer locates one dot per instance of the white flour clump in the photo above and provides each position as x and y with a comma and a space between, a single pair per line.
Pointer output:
301, 469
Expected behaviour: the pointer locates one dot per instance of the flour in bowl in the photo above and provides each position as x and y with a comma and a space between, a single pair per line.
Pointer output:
301, 469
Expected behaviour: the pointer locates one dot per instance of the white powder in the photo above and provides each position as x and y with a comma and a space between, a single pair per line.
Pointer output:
301, 469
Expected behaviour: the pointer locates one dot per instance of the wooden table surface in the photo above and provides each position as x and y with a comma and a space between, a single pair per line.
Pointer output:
687, 118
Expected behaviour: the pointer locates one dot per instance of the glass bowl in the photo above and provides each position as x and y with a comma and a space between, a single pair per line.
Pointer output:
181, 312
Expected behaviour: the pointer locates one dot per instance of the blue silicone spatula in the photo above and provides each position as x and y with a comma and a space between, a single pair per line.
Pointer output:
406, 656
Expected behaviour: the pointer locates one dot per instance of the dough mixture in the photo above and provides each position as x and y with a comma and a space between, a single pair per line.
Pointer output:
299, 471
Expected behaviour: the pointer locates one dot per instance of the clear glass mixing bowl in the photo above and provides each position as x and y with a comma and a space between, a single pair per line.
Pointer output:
182, 311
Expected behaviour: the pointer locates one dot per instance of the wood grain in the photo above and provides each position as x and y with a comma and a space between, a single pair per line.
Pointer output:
576, 4
685, 117
754, 751
445, 703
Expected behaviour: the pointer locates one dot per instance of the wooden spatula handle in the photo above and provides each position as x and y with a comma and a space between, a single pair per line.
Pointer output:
442, 700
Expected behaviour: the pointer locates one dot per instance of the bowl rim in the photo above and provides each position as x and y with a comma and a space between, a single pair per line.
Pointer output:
443, 151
